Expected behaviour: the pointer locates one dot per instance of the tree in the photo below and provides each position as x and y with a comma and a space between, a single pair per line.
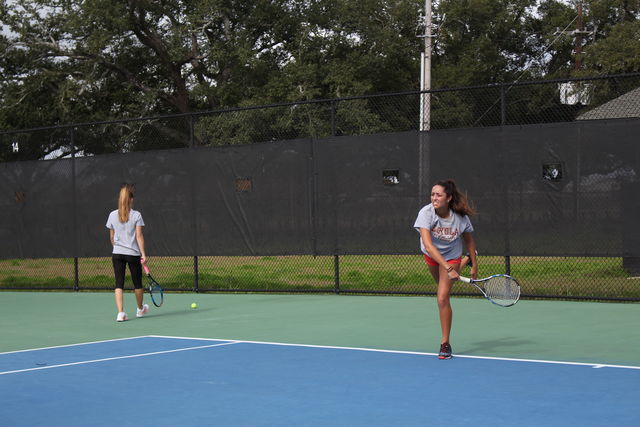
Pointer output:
616, 48
610, 38
483, 41
65, 61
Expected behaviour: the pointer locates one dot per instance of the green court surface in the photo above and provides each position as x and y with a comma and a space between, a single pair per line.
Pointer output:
605, 333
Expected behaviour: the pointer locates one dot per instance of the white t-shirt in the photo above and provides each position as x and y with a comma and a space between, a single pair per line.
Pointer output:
445, 232
125, 242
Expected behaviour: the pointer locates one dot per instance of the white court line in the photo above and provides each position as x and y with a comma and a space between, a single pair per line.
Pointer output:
508, 359
131, 356
70, 345
235, 341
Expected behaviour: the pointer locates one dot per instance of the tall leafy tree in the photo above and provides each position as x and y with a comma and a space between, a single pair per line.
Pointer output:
69, 61
483, 41
615, 47
65, 61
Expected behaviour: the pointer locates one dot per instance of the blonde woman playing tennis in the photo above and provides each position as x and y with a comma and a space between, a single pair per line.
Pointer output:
125, 232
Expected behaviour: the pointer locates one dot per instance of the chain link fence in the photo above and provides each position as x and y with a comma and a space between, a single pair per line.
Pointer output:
598, 278
574, 278
521, 103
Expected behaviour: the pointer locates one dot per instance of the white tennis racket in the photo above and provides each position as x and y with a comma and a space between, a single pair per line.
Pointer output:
500, 289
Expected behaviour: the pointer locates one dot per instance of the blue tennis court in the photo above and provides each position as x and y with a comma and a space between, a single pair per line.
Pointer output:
185, 381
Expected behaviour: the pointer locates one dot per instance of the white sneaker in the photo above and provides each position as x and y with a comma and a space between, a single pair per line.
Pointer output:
142, 311
122, 316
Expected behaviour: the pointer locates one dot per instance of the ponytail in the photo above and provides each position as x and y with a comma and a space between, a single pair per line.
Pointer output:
459, 202
125, 200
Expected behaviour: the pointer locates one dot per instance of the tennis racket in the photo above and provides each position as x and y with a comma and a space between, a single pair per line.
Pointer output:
155, 290
500, 289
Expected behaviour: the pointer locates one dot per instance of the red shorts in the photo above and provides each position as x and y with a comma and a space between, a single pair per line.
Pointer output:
432, 262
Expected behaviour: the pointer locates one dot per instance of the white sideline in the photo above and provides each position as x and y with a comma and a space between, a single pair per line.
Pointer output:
235, 341
107, 359
509, 359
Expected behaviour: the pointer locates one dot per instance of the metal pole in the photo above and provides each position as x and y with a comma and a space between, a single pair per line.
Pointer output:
425, 75
333, 117
194, 210
313, 197
578, 40
503, 105
196, 285
507, 237
425, 103
336, 273
74, 214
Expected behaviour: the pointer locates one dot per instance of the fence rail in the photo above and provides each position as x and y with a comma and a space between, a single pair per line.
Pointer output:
567, 278
519, 103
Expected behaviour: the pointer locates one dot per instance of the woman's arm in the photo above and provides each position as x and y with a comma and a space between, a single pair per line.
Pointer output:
112, 234
434, 253
471, 247
140, 240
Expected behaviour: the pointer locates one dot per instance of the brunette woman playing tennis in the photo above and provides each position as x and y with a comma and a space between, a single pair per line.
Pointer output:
443, 226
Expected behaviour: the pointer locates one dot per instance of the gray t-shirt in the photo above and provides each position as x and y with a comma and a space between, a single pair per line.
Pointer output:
445, 232
125, 242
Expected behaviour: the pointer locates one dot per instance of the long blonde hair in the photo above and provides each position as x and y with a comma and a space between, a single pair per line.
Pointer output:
125, 201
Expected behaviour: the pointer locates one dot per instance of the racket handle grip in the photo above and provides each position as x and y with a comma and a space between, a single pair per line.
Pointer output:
465, 279
146, 269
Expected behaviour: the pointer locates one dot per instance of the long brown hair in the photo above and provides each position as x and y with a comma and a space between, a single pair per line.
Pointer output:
459, 202
125, 201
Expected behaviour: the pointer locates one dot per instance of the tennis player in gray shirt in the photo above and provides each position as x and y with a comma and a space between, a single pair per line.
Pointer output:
125, 232
443, 225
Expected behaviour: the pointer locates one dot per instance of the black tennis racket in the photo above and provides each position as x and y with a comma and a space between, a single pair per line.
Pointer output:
500, 289
155, 290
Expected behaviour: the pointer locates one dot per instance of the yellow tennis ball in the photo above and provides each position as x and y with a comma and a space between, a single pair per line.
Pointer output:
194, 305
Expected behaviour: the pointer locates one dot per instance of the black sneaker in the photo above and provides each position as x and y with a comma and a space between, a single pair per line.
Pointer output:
445, 351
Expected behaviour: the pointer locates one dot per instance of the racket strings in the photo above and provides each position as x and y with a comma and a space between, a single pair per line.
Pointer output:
502, 289
155, 290
156, 294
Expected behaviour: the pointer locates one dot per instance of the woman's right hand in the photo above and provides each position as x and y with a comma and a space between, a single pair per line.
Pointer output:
452, 273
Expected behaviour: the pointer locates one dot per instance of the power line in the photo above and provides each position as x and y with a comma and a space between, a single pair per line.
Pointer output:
558, 35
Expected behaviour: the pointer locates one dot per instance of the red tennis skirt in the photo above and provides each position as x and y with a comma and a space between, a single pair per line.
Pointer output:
432, 262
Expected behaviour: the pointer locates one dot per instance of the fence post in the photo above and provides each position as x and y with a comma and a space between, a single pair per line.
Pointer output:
74, 209
503, 105
76, 275
336, 258
336, 273
503, 122
191, 137
313, 199
333, 117
194, 222
195, 273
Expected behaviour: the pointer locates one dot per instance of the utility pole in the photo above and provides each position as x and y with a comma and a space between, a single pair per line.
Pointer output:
579, 33
425, 103
572, 93
425, 70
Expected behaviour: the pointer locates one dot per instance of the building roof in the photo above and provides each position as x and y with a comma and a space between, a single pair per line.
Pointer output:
624, 106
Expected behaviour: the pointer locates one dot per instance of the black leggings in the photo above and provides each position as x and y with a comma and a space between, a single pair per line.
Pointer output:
135, 268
